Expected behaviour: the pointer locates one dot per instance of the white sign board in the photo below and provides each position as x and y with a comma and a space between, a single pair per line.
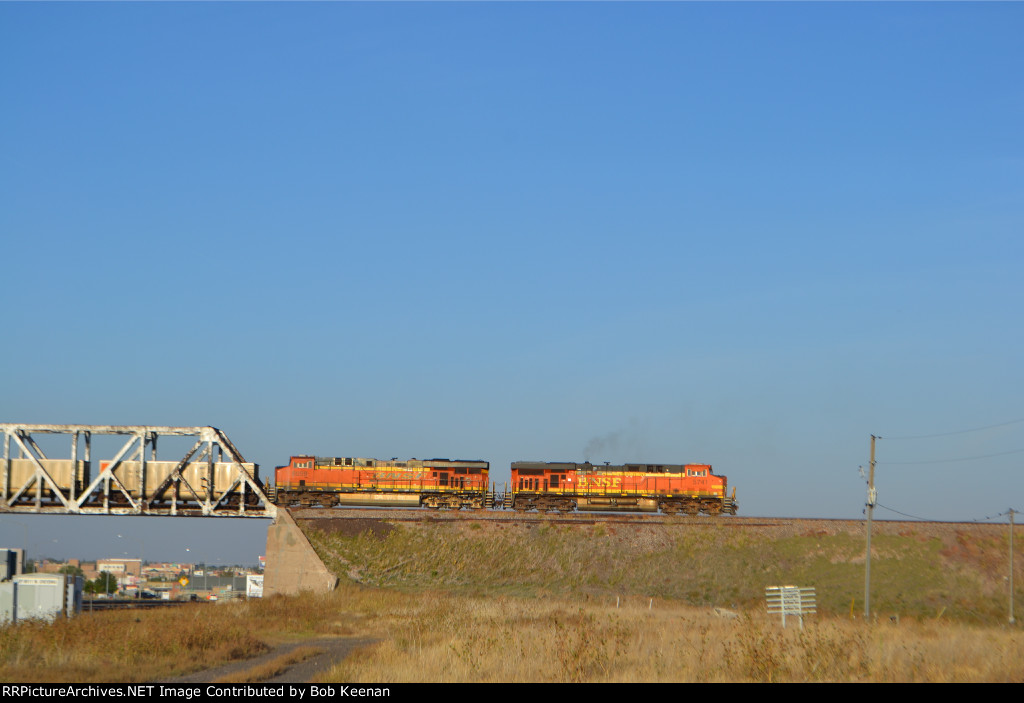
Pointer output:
254, 586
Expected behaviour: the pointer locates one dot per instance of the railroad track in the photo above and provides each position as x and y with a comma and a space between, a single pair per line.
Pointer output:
496, 516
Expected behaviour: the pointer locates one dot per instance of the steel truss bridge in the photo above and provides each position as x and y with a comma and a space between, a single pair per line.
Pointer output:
210, 480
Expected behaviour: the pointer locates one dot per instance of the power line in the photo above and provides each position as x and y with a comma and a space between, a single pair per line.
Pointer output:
996, 517
925, 519
947, 434
913, 517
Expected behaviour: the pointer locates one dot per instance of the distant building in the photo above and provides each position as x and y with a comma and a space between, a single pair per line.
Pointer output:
120, 567
167, 571
12, 562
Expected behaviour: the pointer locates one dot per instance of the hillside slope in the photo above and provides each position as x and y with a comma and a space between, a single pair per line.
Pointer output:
918, 569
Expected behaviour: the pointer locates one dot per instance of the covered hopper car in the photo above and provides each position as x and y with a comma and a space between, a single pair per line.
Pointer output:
201, 480
671, 488
433, 483
130, 480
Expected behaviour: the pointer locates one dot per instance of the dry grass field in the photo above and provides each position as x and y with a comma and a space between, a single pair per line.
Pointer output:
162, 644
440, 637
479, 602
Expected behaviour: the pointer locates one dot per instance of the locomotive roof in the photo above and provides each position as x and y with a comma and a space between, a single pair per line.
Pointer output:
587, 466
337, 461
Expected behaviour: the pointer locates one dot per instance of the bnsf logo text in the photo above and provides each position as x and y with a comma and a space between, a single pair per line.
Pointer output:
600, 482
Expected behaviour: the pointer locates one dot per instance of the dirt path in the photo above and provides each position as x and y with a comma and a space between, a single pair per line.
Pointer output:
334, 650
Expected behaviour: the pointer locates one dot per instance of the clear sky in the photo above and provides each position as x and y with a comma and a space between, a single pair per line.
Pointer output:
746, 234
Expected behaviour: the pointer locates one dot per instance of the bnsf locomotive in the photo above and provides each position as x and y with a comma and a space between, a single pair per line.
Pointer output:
434, 483
671, 488
689, 489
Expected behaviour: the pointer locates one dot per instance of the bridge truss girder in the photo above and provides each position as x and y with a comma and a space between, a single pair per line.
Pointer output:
211, 480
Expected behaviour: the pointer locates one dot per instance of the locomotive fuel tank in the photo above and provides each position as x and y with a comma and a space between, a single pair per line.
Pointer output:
617, 504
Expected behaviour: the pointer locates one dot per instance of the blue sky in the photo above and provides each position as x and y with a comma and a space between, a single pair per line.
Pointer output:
744, 234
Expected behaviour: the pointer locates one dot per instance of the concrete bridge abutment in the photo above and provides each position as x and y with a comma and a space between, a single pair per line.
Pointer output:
293, 565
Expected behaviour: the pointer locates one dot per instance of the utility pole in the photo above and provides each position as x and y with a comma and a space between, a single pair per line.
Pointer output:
1011, 566
871, 509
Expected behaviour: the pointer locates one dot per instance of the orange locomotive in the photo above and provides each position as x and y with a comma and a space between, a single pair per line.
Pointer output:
671, 488
434, 483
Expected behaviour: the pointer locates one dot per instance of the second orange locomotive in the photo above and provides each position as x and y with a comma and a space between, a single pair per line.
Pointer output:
671, 488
